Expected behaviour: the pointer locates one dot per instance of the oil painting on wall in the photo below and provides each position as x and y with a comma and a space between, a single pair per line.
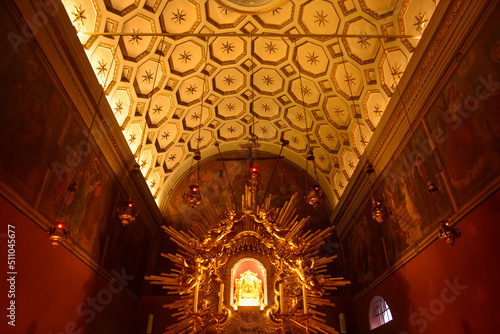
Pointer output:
404, 190
31, 115
363, 251
466, 112
44, 147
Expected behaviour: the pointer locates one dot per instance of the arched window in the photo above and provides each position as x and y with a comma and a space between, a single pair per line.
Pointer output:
379, 313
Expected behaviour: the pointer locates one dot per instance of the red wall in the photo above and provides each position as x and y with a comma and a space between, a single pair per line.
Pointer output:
52, 285
419, 294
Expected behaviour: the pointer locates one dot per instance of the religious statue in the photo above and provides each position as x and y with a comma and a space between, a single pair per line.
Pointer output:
248, 290
297, 303
193, 274
226, 226
305, 273
269, 224
296, 246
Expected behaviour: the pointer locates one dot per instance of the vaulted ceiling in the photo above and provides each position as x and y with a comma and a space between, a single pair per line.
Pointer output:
186, 74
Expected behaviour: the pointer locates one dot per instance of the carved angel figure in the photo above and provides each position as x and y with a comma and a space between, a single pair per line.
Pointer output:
305, 273
269, 224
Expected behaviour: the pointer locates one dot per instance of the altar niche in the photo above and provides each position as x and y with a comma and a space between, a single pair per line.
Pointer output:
248, 285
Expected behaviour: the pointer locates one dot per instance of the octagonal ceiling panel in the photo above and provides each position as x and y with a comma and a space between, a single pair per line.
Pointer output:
328, 137
86, 16
266, 108
391, 68
105, 63
154, 182
339, 183
266, 131
337, 111
191, 91
136, 47
298, 142
146, 161
160, 109
229, 81
268, 81
349, 161
227, 50
149, 76
134, 135
180, 16
196, 117
200, 139
299, 118
319, 17
362, 49
414, 18
374, 105
270, 51
173, 158
222, 17
311, 59
230, 108
230, 131
304, 91
278, 17
122, 104
348, 80
360, 136
322, 160
167, 136
186, 58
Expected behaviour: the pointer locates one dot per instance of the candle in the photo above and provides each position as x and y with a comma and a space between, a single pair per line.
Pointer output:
221, 297
304, 294
196, 289
343, 328
282, 300
149, 327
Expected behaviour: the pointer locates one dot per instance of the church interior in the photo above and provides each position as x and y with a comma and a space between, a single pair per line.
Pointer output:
264, 166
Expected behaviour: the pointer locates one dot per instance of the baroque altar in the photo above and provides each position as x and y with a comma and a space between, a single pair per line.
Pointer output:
255, 270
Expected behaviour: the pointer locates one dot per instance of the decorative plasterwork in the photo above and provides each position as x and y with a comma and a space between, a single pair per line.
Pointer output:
156, 84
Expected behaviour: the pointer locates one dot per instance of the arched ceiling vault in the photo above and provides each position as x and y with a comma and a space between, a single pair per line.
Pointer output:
172, 89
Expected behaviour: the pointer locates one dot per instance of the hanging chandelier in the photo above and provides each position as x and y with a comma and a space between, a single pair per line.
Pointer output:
192, 197
127, 212
58, 232
448, 233
379, 211
315, 197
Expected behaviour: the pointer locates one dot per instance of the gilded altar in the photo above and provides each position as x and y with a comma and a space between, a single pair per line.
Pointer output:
259, 259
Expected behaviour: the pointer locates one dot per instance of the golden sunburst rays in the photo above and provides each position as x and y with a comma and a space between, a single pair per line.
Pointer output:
200, 264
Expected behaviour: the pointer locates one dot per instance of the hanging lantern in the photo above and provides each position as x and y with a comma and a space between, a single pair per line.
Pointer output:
58, 233
315, 197
254, 181
448, 233
310, 155
193, 196
370, 169
136, 169
379, 211
127, 212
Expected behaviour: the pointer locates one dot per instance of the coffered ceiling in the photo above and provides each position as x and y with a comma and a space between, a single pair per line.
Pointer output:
290, 73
